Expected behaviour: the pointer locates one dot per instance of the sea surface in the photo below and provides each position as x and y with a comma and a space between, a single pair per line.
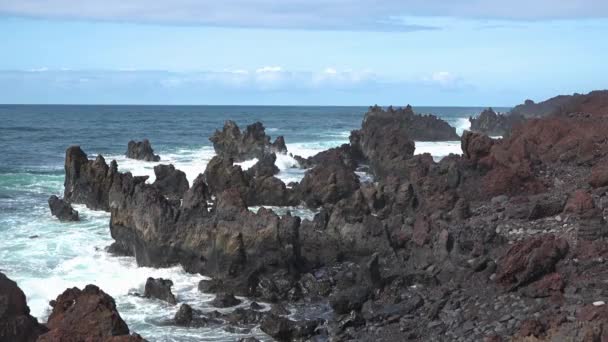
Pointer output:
45, 256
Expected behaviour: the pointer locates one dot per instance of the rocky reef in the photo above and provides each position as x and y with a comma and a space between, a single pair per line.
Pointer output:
504, 242
141, 150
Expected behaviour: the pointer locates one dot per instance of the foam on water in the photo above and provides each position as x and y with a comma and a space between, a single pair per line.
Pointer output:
438, 149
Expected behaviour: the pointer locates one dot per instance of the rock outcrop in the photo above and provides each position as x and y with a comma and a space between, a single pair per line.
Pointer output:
141, 150
249, 144
86, 315
594, 103
160, 289
62, 210
170, 181
16, 323
495, 124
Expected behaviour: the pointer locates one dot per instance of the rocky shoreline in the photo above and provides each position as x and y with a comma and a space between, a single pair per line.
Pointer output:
504, 242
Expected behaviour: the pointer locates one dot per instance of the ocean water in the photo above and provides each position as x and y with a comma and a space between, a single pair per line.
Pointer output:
45, 256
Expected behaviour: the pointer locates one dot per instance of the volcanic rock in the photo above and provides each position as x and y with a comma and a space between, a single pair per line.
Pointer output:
141, 150
85, 315
241, 146
160, 289
62, 210
225, 300
170, 181
16, 323
491, 123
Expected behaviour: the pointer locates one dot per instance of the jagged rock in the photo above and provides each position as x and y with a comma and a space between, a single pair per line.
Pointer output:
89, 181
141, 150
349, 299
594, 103
545, 206
85, 315
327, 183
198, 196
62, 210
16, 323
529, 260
160, 289
184, 315
170, 181
241, 146
475, 146
344, 154
579, 202
225, 300
284, 329
491, 123
265, 167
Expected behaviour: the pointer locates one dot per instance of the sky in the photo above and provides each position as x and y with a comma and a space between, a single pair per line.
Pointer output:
301, 52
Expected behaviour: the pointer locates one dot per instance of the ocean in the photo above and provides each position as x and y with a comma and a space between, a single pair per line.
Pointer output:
45, 257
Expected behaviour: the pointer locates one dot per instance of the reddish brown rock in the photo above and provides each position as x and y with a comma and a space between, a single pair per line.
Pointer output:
599, 175
475, 146
85, 315
16, 323
579, 203
549, 285
529, 260
422, 230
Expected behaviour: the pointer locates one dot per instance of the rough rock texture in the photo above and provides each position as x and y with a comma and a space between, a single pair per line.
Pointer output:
501, 243
85, 315
225, 300
170, 181
491, 123
249, 144
141, 150
160, 289
327, 183
16, 323
62, 210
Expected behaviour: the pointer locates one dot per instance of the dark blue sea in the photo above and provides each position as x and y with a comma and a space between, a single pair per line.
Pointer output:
45, 257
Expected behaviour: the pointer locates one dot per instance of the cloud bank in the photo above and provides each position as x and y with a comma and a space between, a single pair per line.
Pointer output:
302, 14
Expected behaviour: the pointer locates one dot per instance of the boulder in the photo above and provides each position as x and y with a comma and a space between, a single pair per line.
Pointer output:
85, 315
62, 210
475, 146
284, 329
225, 300
141, 150
170, 181
327, 184
249, 144
527, 261
160, 289
16, 323
265, 167
184, 315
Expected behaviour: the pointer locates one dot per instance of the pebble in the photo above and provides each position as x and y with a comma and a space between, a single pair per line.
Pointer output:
599, 303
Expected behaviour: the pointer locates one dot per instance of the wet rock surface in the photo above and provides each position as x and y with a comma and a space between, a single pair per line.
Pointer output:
141, 150
160, 289
62, 210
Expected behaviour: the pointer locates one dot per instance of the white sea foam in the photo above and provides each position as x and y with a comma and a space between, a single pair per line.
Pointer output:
438, 149
462, 124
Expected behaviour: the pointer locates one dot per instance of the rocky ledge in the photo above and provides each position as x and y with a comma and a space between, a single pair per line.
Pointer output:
506, 242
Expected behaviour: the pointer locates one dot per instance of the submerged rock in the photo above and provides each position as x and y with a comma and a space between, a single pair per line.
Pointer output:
225, 300
160, 289
141, 150
16, 323
62, 210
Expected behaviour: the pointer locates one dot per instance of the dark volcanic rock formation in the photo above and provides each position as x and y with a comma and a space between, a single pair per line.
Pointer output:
62, 210
501, 243
241, 146
491, 123
141, 150
86, 315
170, 181
160, 289
16, 323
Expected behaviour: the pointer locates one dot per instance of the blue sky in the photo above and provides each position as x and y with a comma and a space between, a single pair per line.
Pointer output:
315, 52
